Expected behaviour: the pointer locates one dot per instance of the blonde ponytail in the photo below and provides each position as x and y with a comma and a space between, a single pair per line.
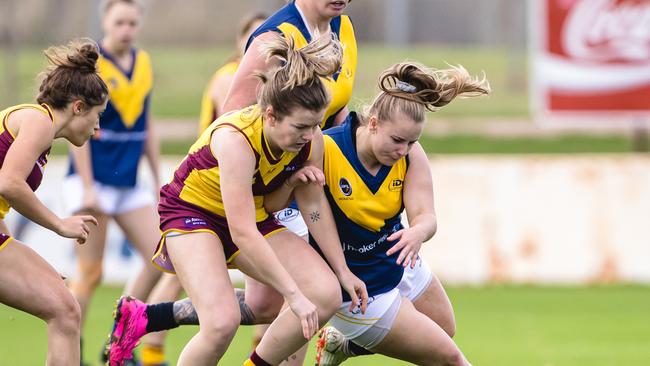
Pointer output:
298, 81
412, 88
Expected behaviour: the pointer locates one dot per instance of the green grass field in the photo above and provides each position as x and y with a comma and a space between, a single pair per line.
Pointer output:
181, 75
497, 326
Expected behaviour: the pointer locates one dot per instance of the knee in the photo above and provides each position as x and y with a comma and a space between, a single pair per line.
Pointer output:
218, 329
65, 314
453, 358
328, 299
265, 308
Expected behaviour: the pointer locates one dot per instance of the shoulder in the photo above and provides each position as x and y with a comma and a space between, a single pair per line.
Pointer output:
351, 119
245, 122
344, 28
417, 158
32, 122
346, 21
140, 53
142, 59
334, 131
231, 143
286, 15
34, 113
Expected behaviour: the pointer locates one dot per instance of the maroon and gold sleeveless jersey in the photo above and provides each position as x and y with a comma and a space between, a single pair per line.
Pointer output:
197, 178
7, 138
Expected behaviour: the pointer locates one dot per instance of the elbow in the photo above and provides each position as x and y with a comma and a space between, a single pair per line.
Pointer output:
242, 236
434, 225
7, 187
428, 225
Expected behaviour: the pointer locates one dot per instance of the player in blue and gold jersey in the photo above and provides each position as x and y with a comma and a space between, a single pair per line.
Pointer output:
213, 216
301, 20
374, 169
71, 98
102, 177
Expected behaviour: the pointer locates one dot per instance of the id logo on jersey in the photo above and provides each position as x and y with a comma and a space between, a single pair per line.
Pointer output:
345, 187
287, 215
396, 185
290, 168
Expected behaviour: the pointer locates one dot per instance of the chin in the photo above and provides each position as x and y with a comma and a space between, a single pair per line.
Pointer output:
78, 142
333, 13
389, 162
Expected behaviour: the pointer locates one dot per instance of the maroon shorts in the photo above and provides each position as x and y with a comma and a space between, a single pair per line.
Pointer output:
178, 217
4, 240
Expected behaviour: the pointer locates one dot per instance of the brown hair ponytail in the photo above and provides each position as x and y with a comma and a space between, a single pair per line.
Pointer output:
72, 74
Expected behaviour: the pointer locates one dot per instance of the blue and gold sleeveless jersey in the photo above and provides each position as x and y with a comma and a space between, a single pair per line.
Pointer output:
288, 22
117, 147
367, 208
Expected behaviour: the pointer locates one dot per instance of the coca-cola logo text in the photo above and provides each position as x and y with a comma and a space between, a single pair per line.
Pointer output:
608, 30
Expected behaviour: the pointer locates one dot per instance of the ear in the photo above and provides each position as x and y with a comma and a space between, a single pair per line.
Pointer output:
78, 107
373, 122
269, 115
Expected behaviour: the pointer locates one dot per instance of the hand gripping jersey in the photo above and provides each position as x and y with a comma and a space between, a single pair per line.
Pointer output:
289, 22
7, 138
367, 208
117, 147
208, 109
196, 180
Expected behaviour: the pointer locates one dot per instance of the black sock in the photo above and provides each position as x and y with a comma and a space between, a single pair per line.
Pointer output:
160, 317
352, 349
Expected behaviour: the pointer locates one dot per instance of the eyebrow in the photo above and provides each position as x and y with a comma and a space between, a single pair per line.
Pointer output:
301, 125
404, 139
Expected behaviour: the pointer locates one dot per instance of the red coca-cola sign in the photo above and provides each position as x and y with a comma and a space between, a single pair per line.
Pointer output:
592, 56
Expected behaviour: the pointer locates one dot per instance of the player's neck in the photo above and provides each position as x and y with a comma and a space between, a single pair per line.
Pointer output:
316, 24
61, 119
276, 150
364, 151
113, 49
121, 55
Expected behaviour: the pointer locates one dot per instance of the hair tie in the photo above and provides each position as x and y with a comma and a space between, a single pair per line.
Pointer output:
405, 87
